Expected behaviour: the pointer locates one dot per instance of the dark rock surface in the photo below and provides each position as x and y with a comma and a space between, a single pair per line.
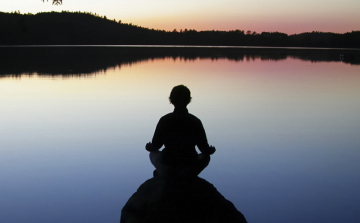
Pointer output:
171, 200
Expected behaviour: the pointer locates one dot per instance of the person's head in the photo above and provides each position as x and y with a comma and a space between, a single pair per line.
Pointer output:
180, 96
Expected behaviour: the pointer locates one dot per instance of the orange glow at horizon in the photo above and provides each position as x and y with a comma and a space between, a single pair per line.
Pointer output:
287, 16
285, 24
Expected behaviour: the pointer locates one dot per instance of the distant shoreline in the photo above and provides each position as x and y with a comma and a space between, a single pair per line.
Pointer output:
189, 46
85, 29
86, 60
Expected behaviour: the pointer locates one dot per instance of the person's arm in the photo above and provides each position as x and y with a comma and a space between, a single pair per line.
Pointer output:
157, 141
149, 147
202, 142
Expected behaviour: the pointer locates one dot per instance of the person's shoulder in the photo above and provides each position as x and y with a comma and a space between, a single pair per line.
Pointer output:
167, 116
193, 117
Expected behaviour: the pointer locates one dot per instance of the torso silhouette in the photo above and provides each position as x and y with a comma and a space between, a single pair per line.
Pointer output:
180, 132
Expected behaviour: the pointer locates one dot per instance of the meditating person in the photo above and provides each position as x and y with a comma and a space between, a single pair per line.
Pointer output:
179, 132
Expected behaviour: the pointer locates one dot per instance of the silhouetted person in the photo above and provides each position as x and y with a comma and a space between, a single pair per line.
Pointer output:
179, 132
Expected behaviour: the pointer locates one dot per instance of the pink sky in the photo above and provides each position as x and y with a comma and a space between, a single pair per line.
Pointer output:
287, 16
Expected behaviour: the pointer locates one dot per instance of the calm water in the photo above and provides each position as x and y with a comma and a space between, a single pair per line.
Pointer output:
286, 133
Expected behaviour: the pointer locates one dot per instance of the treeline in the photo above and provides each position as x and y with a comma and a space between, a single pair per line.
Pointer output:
81, 28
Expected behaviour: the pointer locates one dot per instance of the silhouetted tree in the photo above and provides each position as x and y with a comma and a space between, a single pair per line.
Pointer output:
89, 28
56, 2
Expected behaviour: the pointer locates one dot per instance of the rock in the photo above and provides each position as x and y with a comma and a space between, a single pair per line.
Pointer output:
172, 200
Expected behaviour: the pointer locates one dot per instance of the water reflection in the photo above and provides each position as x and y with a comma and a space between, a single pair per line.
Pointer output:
73, 148
82, 61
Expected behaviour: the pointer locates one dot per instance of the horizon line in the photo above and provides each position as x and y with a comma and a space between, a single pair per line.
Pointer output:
175, 29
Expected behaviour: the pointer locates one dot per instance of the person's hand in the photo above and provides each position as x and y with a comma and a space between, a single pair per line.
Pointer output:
212, 150
149, 147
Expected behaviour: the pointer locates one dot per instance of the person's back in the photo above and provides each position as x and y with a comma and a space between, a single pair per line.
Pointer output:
180, 132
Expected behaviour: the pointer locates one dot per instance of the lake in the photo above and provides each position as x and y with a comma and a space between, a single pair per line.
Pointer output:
74, 124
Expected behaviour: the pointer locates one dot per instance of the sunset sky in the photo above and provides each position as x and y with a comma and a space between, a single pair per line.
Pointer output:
287, 16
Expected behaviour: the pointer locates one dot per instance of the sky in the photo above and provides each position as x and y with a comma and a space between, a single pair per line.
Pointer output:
287, 16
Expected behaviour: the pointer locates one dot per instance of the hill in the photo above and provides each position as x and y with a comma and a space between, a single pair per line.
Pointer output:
77, 28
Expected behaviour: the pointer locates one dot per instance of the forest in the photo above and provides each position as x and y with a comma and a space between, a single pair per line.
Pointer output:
86, 28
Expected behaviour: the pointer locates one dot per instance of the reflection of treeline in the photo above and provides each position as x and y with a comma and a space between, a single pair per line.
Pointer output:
78, 61
87, 28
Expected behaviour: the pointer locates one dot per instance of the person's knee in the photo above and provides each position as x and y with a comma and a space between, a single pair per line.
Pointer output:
205, 158
154, 153
155, 157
